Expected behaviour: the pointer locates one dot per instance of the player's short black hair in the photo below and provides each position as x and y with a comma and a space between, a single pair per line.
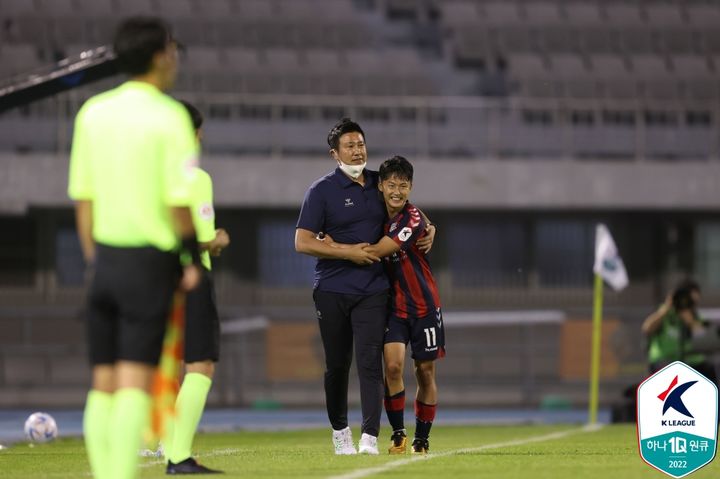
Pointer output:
195, 115
346, 125
137, 40
397, 166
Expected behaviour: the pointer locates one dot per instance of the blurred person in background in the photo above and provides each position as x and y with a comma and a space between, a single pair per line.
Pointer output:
132, 168
350, 289
671, 329
202, 327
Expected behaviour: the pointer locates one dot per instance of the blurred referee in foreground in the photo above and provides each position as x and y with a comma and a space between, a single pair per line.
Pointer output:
132, 167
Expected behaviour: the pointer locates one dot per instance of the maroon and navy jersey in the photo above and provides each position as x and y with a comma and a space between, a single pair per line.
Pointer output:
414, 291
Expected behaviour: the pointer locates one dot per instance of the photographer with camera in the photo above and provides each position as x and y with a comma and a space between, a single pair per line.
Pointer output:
671, 329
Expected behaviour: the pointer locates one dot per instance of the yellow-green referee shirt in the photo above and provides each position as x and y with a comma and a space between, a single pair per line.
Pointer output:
203, 212
134, 155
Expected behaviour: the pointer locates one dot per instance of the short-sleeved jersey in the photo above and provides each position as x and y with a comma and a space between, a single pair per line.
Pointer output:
203, 212
351, 213
414, 291
134, 155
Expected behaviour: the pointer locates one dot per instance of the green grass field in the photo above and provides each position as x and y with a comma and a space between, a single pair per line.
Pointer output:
499, 452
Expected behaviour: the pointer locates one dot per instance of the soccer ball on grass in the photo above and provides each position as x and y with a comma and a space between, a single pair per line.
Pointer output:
41, 427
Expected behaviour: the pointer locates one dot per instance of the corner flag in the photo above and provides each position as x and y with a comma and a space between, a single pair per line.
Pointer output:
608, 263
609, 267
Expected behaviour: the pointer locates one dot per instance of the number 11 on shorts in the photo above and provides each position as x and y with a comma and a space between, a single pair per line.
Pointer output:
430, 337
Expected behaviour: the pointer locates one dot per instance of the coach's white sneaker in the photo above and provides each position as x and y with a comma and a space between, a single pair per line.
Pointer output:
343, 442
368, 445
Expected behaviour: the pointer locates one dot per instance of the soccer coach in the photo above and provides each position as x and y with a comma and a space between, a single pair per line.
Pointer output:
351, 288
132, 168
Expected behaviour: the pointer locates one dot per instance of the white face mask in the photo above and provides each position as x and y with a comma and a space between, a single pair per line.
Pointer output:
353, 171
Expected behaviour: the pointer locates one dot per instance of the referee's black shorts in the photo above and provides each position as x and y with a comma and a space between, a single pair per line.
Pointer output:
202, 325
128, 304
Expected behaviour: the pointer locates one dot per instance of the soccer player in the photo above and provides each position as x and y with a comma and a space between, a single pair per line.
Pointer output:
415, 314
132, 168
202, 327
351, 288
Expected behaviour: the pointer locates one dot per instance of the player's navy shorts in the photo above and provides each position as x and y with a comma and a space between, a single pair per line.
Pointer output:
128, 303
426, 334
202, 325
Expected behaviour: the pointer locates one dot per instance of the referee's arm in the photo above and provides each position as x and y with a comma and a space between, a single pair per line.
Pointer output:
84, 224
185, 229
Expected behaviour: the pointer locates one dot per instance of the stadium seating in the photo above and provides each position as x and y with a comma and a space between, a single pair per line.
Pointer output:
645, 53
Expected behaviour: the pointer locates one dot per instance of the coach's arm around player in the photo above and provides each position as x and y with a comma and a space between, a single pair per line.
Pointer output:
307, 242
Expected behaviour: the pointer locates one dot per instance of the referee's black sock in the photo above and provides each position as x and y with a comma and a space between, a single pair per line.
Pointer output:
395, 409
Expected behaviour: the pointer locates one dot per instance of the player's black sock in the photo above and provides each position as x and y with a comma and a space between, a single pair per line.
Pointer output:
424, 416
395, 409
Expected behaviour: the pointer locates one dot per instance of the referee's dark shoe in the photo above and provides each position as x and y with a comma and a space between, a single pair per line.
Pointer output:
189, 466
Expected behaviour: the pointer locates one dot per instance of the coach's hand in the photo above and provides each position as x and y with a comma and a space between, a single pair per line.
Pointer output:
190, 278
425, 243
358, 255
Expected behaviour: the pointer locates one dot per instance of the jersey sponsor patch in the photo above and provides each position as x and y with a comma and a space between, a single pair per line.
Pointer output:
206, 211
405, 233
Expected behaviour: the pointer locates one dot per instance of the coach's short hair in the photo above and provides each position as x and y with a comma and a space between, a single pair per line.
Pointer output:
397, 166
195, 115
137, 40
346, 125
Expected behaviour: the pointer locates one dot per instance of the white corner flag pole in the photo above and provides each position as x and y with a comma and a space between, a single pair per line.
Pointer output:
595, 351
608, 267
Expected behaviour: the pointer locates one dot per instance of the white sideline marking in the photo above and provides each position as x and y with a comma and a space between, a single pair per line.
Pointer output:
517, 442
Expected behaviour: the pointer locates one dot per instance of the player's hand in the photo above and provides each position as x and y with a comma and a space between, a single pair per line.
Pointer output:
190, 278
425, 243
221, 241
358, 255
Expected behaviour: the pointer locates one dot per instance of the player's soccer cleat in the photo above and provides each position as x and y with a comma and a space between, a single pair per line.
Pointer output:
343, 442
368, 445
420, 446
189, 466
398, 442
